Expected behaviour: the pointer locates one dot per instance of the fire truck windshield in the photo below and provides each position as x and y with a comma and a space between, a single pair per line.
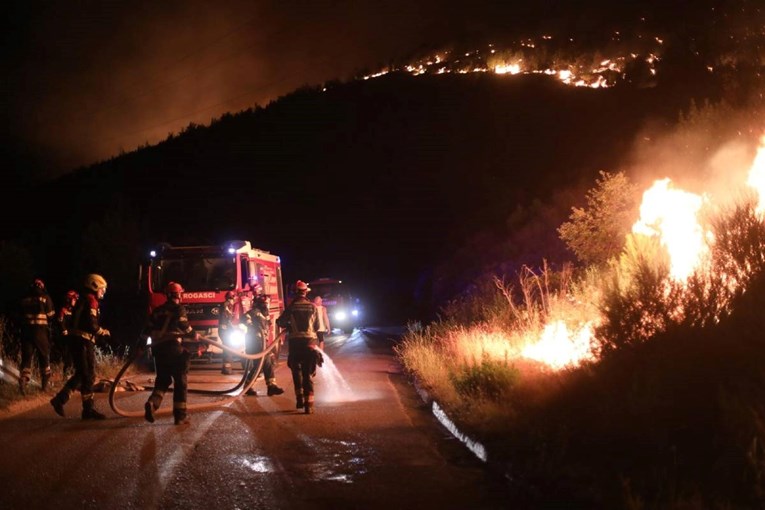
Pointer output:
195, 274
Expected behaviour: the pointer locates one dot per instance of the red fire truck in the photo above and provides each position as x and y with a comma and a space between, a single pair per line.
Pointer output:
206, 274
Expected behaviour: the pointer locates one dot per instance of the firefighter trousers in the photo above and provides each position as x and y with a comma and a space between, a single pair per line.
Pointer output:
35, 339
172, 368
84, 359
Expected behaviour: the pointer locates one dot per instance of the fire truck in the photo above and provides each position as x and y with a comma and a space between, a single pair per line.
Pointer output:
207, 273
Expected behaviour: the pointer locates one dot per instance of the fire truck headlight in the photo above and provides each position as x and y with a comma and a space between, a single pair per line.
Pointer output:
236, 338
355, 313
340, 316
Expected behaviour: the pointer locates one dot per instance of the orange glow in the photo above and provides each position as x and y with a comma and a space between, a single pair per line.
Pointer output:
559, 348
756, 177
672, 215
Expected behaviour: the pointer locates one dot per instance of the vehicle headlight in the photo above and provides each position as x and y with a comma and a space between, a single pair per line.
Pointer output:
236, 338
340, 315
148, 341
355, 313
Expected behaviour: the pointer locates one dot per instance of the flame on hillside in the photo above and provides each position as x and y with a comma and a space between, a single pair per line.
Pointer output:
575, 72
671, 215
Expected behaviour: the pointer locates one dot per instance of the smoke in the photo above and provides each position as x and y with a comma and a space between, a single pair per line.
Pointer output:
708, 151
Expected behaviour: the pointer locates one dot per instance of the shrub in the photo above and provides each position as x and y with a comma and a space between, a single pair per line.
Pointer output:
488, 378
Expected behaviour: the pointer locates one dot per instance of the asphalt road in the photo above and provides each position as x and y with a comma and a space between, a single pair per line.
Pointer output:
372, 443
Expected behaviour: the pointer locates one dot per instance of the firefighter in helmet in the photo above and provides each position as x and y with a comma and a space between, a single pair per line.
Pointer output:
85, 331
226, 326
64, 322
36, 321
258, 322
171, 338
301, 321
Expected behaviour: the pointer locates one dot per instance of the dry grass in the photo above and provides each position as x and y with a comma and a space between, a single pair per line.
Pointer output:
670, 416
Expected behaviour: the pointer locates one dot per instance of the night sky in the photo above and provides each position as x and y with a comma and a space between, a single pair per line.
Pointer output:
92, 79
85, 81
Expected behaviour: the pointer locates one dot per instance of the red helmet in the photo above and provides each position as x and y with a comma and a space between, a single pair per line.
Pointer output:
230, 295
301, 286
72, 295
173, 288
39, 284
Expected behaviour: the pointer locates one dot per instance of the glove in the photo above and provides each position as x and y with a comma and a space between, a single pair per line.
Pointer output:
104, 332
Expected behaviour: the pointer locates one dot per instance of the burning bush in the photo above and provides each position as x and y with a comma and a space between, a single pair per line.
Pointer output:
637, 381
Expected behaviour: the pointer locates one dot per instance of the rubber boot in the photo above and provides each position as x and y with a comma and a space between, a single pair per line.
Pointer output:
44, 381
148, 412
309, 405
299, 403
181, 418
59, 400
274, 389
24, 377
89, 411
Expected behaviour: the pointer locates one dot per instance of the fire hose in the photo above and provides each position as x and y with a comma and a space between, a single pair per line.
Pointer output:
247, 381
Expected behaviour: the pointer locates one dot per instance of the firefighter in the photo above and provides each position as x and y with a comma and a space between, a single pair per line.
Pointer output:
84, 332
301, 321
36, 322
64, 322
258, 325
226, 325
324, 327
171, 336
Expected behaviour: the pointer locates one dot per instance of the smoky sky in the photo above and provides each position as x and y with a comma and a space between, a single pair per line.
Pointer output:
85, 81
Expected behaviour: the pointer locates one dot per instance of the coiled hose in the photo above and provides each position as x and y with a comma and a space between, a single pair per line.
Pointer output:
247, 381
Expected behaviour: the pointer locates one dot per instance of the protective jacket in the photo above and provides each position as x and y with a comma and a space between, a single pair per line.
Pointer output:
167, 326
300, 319
37, 309
86, 318
64, 319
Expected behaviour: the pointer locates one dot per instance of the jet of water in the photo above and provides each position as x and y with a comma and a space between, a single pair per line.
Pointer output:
332, 386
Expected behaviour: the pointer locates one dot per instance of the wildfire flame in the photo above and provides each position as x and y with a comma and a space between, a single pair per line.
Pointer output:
672, 215
558, 347
756, 178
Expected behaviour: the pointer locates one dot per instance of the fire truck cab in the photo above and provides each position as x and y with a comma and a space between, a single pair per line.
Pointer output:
207, 273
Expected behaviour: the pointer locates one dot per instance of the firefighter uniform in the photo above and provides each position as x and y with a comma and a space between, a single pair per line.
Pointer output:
167, 326
301, 321
257, 321
64, 321
226, 324
86, 329
36, 321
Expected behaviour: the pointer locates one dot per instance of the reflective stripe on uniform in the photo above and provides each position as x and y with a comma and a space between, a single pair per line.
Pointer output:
85, 335
38, 319
179, 405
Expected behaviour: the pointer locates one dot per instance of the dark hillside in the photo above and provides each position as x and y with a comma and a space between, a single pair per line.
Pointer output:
372, 181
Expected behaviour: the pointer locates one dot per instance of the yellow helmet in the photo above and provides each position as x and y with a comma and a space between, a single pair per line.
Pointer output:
95, 282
